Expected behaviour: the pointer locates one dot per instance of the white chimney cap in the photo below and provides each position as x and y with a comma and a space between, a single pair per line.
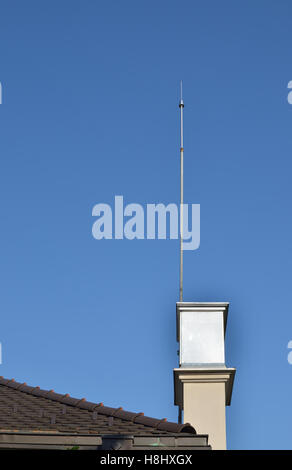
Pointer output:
200, 332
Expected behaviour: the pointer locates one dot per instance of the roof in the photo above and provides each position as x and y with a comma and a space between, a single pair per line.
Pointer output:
26, 408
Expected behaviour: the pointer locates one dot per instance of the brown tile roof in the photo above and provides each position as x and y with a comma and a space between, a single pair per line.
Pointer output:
23, 407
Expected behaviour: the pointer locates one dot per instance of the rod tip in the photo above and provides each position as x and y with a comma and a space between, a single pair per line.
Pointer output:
181, 102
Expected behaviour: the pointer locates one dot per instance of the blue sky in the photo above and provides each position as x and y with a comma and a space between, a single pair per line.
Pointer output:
90, 111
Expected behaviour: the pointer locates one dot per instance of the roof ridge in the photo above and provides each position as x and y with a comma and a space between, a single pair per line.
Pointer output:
66, 399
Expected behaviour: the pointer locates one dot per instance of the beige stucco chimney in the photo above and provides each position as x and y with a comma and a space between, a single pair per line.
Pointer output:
202, 383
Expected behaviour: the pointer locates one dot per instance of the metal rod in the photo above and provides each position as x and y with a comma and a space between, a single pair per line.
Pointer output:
179, 415
181, 106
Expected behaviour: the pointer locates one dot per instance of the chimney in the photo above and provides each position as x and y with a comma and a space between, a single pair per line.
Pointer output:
202, 383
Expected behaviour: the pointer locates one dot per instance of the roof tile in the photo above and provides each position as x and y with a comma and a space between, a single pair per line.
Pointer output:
23, 407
